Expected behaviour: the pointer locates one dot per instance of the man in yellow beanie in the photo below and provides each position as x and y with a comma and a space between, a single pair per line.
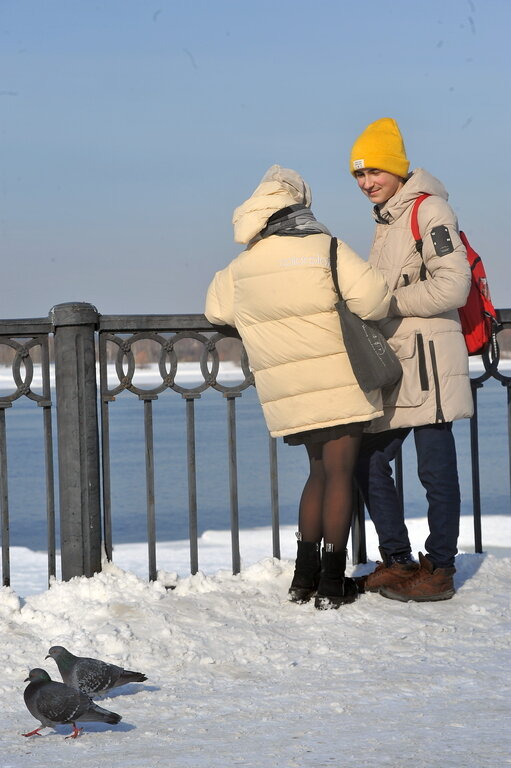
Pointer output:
429, 281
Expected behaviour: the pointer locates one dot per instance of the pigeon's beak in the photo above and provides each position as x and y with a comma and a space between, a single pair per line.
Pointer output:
47, 657
26, 680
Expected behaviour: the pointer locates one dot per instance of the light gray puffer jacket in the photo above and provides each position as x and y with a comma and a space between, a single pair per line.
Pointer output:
423, 325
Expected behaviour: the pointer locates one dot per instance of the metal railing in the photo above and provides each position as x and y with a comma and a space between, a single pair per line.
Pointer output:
81, 336
24, 337
166, 333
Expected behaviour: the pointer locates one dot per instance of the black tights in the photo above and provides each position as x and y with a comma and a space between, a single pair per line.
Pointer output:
326, 503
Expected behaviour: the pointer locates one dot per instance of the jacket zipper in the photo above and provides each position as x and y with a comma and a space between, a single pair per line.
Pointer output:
423, 371
439, 412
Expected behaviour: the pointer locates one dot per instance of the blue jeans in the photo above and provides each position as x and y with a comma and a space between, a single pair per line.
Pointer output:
438, 473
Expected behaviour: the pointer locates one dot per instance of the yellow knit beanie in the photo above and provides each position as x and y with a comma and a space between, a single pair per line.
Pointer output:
380, 146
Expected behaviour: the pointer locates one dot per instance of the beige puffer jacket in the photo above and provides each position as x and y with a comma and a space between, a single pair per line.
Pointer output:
423, 324
279, 294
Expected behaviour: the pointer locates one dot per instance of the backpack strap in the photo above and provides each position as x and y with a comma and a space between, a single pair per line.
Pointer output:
333, 264
414, 223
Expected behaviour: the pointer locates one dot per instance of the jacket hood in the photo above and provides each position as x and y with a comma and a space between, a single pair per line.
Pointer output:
419, 182
279, 188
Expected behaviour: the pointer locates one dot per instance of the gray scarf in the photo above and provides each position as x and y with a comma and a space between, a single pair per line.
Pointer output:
293, 221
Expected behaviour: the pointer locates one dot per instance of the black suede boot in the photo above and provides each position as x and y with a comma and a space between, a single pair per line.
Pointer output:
334, 587
307, 571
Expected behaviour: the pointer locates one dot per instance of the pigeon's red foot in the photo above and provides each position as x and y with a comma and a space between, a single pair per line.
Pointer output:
32, 733
75, 734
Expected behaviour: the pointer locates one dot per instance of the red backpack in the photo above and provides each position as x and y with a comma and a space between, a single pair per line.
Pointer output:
478, 317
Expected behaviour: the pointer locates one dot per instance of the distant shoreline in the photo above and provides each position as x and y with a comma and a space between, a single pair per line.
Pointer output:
186, 372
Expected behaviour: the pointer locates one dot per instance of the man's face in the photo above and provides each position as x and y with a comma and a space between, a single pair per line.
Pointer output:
378, 186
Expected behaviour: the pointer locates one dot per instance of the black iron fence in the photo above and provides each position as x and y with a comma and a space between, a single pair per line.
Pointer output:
78, 336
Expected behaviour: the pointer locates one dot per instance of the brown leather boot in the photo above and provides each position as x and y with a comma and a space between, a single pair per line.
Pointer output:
426, 584
389, 573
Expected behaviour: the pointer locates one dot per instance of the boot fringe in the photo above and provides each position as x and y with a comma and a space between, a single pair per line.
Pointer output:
326, 602
300, 595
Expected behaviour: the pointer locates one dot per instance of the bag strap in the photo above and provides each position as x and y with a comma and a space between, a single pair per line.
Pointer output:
333, 265
414, 223
414, 220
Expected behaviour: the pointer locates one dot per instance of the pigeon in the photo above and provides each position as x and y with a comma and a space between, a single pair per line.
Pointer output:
55, 703
92, 676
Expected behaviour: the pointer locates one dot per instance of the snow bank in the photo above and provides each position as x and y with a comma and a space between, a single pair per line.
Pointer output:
239, 676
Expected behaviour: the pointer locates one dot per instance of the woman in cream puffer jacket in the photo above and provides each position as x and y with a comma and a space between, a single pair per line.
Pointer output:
279, 295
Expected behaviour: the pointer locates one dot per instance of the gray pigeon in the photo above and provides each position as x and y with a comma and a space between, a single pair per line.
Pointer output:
55, 703
92, 676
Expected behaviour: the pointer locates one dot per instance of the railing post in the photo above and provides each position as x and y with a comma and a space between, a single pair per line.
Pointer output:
78, 440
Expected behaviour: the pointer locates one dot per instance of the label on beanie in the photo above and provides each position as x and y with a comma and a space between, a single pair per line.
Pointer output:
358, 164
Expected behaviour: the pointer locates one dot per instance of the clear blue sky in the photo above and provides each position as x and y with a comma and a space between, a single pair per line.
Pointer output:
131, 129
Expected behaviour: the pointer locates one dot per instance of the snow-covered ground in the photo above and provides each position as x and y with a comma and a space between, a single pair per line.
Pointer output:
238, 676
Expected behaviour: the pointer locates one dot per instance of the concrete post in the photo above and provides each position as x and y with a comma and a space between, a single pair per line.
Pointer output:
78, 439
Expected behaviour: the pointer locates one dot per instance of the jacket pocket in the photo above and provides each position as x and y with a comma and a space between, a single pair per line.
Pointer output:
413, 388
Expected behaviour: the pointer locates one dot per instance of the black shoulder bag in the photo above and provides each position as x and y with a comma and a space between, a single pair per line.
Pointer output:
374, 363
